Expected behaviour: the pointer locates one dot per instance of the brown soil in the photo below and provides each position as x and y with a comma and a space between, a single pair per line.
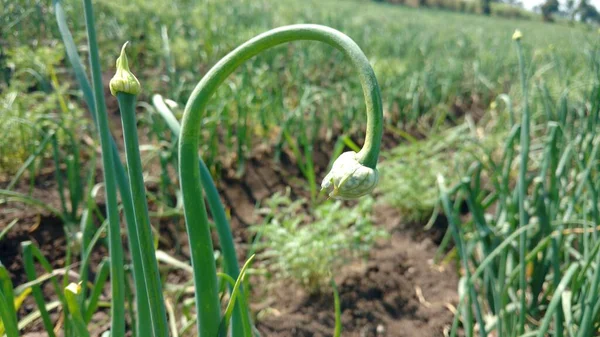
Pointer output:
396, 292
45, 230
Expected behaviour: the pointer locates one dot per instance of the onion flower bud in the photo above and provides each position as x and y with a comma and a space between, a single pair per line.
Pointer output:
517, 36
349, 179
124, 80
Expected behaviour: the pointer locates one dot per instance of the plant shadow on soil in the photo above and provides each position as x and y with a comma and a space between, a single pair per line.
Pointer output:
396, 292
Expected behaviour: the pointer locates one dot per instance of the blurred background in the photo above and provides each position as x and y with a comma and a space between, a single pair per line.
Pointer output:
445, 220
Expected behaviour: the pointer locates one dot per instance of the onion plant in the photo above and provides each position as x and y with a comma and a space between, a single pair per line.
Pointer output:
352, 175
529, 250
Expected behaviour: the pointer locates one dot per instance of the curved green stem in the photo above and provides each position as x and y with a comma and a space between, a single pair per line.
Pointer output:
240, 320
207, 300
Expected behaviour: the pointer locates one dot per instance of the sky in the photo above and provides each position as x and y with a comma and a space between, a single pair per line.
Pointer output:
529, 4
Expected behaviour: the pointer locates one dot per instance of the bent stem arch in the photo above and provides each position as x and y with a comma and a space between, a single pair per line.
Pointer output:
201, 247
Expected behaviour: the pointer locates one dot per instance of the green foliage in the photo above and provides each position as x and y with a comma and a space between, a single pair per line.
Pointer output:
425, 62
306, 247
32, 105
529, 249
409, 172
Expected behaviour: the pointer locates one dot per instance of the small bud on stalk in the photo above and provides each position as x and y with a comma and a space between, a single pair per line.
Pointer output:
517, 36
124, 80
72, 291
74, 288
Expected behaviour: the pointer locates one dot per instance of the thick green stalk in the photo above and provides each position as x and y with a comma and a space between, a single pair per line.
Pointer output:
226, 240
523, 218
144, 231
207, 300
217, 210
122, 183
115, 245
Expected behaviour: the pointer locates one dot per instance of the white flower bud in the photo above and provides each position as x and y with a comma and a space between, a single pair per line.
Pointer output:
349, 179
